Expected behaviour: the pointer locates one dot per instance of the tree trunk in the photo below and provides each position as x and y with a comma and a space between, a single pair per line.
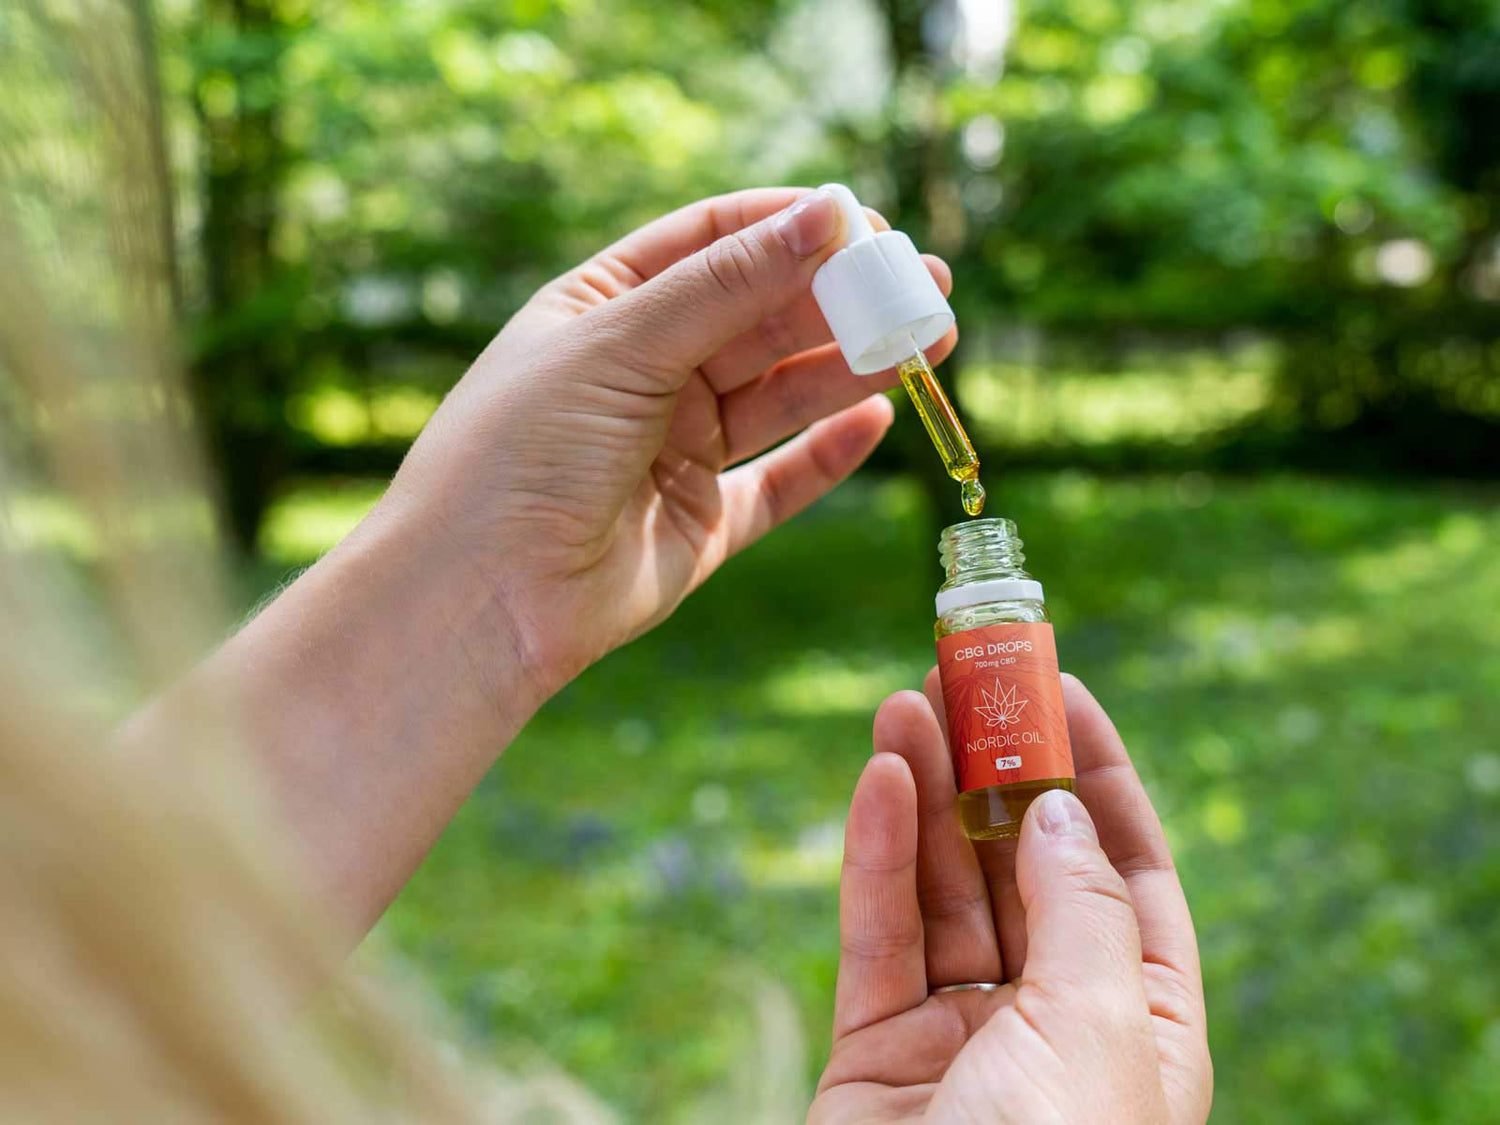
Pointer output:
917, 158
242, 376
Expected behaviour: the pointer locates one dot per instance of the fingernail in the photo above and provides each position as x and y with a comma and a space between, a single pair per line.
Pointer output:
807, 225
1060, 814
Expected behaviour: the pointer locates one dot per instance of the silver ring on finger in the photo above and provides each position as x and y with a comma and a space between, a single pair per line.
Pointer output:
967, 986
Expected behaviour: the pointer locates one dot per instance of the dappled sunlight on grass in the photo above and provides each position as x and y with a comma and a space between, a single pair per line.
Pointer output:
1459, 542
1224, 642
1222, 816
897, 500
305, 523
1022, 405
338, 416
814, 860
819, 683
1306, 673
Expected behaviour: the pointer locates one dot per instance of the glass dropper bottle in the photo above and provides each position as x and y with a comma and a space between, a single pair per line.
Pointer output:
1002, 694
885, 310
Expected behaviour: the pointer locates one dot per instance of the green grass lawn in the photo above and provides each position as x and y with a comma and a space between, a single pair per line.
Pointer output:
1306, 672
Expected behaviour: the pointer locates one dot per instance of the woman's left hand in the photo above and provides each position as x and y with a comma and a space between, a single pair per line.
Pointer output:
1095, 1011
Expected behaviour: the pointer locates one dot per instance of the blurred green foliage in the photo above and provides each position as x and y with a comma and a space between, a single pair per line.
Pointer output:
1297, 666
368, 190
1204, 240
1186, 236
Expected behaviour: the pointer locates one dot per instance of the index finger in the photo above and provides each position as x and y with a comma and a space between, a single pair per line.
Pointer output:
959, 933
882, 972
1131, 835
652, 248
648, 250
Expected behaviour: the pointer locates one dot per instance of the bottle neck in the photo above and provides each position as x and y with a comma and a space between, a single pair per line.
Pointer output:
978, 550
983, 562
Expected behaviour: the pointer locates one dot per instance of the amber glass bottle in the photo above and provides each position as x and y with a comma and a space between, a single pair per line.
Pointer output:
997, 658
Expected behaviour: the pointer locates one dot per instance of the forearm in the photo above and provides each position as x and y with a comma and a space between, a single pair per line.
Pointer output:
585, 461
372, 696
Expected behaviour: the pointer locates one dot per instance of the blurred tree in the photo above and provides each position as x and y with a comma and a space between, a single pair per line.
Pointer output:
1321, 173
917, 154
1411, 370
378, 187
246, 363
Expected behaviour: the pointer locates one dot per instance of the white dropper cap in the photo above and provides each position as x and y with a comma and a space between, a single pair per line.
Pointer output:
876, 293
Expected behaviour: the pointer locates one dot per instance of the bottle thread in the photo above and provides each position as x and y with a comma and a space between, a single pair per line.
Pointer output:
979, 550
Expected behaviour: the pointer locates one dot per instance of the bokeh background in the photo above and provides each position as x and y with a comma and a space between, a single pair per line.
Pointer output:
1228, 279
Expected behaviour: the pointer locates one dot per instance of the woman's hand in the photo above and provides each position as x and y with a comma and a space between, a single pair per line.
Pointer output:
567, 495
1100, 1017
580, 465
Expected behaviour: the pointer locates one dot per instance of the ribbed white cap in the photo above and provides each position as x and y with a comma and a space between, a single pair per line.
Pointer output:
876, 292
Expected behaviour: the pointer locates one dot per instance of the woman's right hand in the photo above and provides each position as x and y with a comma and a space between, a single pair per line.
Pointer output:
1100, 1015
623, 435
618, 440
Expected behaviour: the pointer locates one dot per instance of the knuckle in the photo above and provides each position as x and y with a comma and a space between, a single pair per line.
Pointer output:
730, 262
595, 280
1110, 1014
793, 399
827, 472
951, 899
1120, 1017
1043, 1009
1170, 994
1087, 872
777, 335
774, 497
1150, 857
880, 943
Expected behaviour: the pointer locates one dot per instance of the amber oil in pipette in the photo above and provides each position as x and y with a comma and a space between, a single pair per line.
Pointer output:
942, 425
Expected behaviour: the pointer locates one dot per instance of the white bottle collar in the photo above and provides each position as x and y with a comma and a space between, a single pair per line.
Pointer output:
993, 590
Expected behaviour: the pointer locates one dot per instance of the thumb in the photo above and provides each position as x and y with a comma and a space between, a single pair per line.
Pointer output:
679, 318
1083, 944
1082, 994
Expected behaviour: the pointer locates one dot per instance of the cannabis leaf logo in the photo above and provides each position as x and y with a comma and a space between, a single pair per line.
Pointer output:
1002, 708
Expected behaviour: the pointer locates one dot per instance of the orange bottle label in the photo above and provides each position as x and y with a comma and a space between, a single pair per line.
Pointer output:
1003, 696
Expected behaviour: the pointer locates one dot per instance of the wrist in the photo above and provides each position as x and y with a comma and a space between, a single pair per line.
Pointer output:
471, 636
374, 694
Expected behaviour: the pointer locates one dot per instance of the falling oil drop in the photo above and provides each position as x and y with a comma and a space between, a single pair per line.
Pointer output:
972, 494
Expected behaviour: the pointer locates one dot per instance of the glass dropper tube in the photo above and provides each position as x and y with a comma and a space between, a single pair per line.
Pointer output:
943, 427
